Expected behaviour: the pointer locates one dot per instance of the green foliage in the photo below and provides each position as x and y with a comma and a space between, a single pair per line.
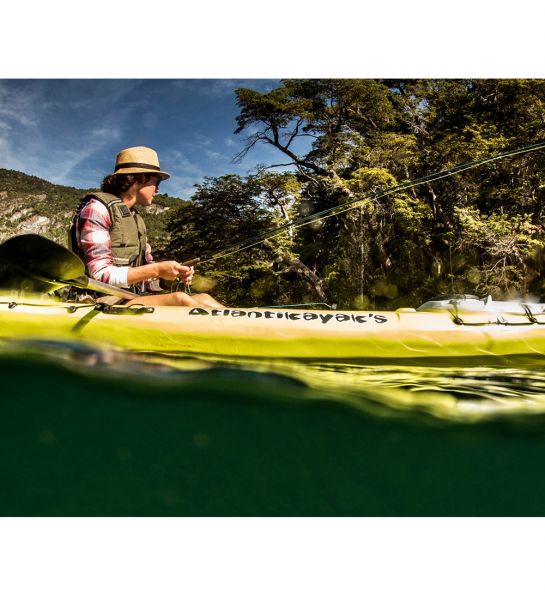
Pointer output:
224, 211
370, 179
503, 246
460, 234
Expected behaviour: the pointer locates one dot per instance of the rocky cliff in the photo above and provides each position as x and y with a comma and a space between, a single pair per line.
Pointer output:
29, 204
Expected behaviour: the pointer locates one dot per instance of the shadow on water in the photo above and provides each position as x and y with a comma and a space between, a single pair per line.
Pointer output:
91, 431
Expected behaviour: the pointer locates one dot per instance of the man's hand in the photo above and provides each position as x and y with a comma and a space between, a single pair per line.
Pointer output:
167, 270
171, 269
188, 277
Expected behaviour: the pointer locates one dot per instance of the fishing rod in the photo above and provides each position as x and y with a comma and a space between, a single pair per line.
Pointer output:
354, 203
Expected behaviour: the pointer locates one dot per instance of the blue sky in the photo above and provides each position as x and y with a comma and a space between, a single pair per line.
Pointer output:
69, 131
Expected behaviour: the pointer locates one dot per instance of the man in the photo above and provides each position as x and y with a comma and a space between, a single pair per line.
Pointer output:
109, 234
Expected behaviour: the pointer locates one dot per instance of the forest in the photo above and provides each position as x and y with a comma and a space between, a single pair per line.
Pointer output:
347, 141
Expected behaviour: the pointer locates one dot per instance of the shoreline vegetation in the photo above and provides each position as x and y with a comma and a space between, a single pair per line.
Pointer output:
477, 232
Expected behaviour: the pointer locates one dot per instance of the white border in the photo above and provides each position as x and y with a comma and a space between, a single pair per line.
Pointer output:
306, 38
268, 559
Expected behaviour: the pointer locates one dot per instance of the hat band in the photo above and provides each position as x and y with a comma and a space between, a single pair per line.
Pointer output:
138, 165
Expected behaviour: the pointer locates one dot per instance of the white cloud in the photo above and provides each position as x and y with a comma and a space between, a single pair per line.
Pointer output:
68, 132
183, 186
9, 161
213, 155
19, 105
63, 162
185, 174
42, 122
216, 88
202, 140
176, 161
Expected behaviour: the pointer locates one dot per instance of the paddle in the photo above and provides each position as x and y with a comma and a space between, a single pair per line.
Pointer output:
32, 258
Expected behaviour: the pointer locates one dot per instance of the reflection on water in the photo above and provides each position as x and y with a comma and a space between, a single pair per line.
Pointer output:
455, 393
464, 393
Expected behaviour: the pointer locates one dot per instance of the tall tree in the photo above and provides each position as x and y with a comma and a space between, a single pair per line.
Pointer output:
342, 145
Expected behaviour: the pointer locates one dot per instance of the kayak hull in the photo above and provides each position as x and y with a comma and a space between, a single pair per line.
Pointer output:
277, 333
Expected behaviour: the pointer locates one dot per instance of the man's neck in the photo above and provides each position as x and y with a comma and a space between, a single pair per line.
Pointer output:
128, 199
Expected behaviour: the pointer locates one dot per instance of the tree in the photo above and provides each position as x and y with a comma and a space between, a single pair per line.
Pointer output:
363, 136
342, 144
231, 211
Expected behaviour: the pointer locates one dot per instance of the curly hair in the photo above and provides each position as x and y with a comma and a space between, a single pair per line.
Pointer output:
117, 184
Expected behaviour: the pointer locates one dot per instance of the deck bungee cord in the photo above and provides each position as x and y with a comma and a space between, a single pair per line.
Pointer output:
355, 203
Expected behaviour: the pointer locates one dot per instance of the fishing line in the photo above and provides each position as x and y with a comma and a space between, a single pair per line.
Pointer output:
350, 204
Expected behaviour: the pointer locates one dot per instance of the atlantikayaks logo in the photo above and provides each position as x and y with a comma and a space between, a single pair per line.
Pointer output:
289, 316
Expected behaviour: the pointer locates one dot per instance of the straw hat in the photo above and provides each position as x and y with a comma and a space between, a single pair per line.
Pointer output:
138, 159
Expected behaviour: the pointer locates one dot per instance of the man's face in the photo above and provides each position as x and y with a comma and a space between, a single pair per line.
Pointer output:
147, 190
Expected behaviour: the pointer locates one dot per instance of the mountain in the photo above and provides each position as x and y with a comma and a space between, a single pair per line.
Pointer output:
29, 204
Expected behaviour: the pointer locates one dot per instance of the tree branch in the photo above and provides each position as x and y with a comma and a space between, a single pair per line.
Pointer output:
295, 265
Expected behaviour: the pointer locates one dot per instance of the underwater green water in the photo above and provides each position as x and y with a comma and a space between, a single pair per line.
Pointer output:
89, 432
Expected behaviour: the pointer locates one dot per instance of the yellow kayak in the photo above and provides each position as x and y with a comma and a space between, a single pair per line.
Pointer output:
440, 329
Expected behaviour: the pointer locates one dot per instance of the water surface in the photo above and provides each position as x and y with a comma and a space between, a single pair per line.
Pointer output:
89, 431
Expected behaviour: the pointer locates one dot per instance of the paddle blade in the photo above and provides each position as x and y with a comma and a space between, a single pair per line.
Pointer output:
41, 257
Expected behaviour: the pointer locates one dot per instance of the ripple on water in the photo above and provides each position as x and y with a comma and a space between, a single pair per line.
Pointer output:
452, 392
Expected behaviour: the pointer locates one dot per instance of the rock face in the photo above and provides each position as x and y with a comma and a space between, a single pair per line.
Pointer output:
32, 205
21, 214
155, 209
35, 224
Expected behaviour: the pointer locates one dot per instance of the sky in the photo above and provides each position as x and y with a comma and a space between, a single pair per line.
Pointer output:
68, 131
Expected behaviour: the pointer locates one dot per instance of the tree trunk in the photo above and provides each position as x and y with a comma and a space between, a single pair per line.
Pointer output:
294, 265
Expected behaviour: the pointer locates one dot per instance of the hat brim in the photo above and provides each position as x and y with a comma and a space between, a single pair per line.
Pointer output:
134, 170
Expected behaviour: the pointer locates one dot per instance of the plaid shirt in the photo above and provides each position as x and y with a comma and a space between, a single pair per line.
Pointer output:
93, 236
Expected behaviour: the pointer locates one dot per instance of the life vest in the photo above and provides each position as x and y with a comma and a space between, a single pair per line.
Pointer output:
128, 231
